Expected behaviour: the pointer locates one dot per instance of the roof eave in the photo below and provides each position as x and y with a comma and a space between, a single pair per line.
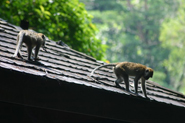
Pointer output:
37, 91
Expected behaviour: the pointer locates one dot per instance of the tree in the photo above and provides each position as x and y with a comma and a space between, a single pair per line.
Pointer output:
172, 37
65, 20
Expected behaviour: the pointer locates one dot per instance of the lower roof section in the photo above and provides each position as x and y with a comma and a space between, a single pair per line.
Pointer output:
60, 96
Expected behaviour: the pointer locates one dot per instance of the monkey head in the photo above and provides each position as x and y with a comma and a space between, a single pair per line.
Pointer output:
148, 73
44, 41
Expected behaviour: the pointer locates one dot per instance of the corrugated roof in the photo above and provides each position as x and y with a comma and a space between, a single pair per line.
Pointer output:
67, 65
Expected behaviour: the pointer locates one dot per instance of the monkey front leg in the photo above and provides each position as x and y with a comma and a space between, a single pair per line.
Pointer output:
143, 86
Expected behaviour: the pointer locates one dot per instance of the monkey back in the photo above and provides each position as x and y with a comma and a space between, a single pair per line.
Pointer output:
29, 37
131, 68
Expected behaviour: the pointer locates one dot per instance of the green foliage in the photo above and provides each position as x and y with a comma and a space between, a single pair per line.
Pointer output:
65, 20
172, 37
132, 30
159, 77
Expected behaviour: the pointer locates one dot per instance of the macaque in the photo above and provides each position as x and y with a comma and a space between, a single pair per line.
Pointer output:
123, 70
31, 39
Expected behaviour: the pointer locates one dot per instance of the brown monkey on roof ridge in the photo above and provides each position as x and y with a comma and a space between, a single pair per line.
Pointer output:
123, 70
31, 39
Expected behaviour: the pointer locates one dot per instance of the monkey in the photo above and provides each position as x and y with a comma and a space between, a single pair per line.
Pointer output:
31, 39
123, 70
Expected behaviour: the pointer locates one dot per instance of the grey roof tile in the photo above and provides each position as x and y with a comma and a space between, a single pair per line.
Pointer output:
67, 65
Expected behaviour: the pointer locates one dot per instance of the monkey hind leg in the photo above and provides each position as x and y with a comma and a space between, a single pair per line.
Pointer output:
33, 56
126, 79
136, 79
19, 55
118, 80
19, 52
29, 50
121, 75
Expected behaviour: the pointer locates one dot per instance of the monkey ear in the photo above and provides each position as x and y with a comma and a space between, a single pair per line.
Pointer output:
147, 70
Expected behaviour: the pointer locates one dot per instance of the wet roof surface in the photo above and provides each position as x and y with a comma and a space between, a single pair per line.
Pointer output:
67, 65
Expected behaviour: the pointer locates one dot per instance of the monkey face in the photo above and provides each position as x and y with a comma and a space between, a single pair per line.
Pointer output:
44, 40
148, 73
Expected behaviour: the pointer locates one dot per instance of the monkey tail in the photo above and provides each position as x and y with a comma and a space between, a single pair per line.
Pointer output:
19, 42
112, 64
